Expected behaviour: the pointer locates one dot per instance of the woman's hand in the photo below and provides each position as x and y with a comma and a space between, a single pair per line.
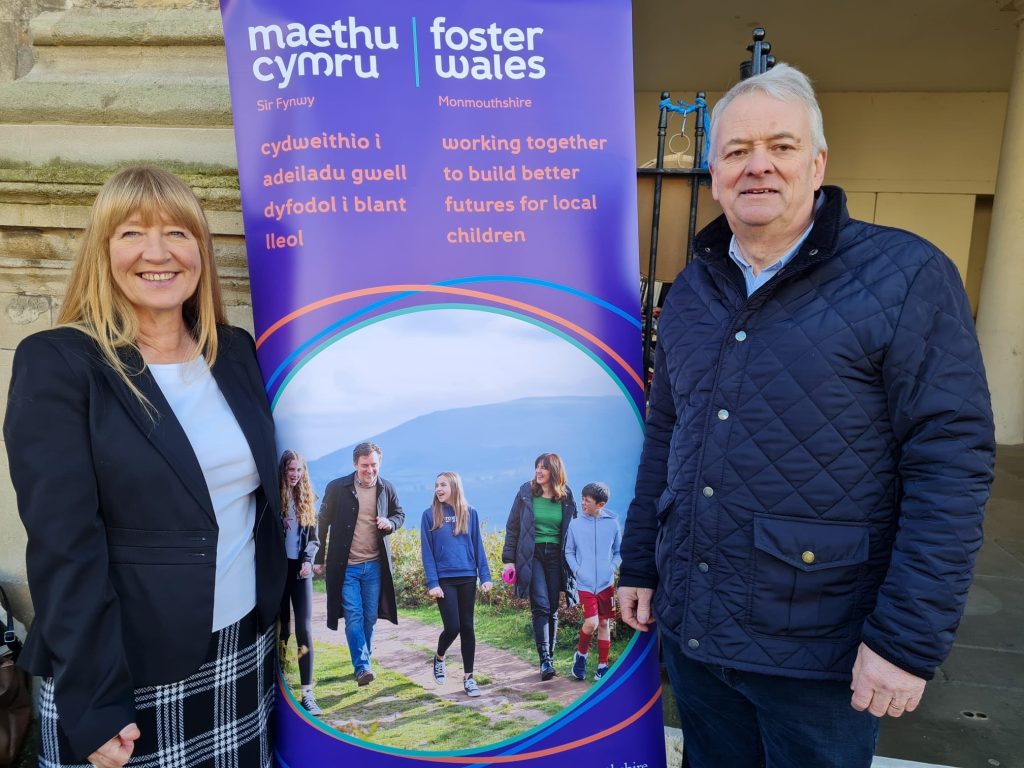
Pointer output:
485, 587
437, 593
118, 750
305, 570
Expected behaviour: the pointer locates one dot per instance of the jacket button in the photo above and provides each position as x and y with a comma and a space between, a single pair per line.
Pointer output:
723, 415
693, 643
703, 567
741, 335
807, 557
708, 491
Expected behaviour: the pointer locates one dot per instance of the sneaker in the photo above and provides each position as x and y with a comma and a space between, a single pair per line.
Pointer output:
365, 678
309, 704
579, 666
440, 672
601, 671
470, 687
547, 669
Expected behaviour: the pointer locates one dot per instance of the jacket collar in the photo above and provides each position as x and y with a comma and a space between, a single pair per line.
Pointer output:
350, 479
711, 245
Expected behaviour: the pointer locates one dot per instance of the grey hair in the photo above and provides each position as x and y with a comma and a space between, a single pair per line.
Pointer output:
781, 82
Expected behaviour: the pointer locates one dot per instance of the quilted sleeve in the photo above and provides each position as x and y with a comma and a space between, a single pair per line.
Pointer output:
941, 416
638, 568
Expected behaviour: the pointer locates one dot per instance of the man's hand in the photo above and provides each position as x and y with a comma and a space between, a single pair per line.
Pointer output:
305, 570
384, 524
635, 607
117, 751
883, 688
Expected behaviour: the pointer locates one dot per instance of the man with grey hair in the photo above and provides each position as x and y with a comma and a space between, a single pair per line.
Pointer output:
818, 456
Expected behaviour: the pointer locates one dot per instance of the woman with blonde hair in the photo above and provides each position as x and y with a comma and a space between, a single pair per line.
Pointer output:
534, 551
453, 557
301, 543
141, 447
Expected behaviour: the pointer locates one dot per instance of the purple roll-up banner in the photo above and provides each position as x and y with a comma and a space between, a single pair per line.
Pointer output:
440, 217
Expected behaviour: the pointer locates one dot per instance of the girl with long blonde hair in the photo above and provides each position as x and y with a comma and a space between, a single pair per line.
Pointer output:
453, 554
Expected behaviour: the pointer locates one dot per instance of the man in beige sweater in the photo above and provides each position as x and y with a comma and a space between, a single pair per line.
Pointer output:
358, 513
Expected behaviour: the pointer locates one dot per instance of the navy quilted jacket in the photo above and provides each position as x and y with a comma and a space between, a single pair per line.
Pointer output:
818, 455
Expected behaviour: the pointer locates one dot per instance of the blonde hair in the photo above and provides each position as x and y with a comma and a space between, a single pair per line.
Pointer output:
301, 494
457, 501
552, 462
95, 304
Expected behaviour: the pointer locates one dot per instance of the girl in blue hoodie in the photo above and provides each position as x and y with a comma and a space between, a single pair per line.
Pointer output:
453, 557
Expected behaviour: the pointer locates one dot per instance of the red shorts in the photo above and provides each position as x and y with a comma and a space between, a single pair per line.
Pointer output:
599, 605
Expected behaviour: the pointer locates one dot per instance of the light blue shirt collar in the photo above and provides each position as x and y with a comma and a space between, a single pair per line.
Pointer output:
767, 273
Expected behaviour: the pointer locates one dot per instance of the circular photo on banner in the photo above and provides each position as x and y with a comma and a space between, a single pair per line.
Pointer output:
433, 468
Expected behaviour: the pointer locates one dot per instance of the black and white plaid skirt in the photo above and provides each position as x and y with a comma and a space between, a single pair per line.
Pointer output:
219, 717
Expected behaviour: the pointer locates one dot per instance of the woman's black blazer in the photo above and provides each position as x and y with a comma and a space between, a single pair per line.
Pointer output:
122, 537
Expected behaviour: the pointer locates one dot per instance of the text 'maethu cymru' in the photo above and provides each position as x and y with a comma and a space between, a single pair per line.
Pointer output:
346, 48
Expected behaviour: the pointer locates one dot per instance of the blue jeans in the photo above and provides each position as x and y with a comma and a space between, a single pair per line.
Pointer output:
545, 592
360, 595
732, 718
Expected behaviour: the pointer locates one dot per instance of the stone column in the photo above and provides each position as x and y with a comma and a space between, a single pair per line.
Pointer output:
1001, 304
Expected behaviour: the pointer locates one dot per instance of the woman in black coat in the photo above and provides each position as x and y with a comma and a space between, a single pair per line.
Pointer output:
141, 447
534, 551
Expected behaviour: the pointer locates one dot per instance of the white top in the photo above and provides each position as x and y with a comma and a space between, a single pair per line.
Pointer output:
231, 477
291, 531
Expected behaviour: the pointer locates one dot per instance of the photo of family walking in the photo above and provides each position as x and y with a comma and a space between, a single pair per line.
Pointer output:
452, 546
400, 616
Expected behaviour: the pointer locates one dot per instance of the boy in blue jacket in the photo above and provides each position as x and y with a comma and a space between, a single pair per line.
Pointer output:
592, 553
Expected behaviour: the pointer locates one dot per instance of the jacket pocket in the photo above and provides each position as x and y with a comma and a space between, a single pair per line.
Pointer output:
806, 575
663, 508
148, 547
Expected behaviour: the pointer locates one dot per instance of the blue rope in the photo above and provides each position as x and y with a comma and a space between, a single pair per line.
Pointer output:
685, 109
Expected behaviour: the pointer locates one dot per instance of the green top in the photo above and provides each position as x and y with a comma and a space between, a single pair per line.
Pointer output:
547, 516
